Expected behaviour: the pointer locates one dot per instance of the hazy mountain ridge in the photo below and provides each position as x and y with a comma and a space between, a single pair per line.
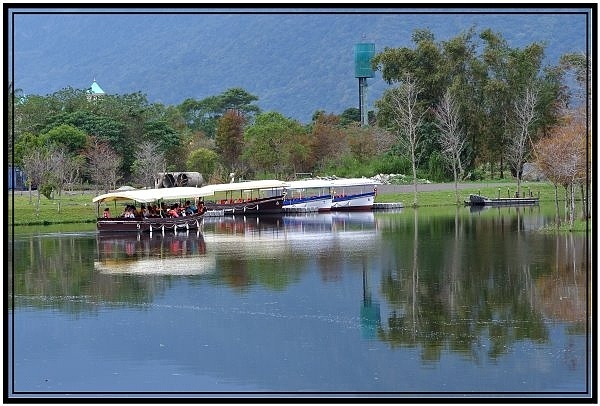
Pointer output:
295, 63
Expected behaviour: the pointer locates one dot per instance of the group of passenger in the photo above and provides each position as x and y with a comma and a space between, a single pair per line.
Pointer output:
162, 210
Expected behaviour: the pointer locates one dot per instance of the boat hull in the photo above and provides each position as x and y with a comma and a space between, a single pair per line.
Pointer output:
143, 225
354, 202
269, 205
314, 203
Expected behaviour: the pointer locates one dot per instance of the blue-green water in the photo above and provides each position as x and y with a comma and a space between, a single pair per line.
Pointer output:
408, 303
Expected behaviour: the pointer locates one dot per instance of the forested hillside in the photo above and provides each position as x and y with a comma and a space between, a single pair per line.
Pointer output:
296, 63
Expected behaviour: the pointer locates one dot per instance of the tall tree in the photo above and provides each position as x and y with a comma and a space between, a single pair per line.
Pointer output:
329, 143
37, 165
452, 138
149, 161
519, 131
229, 139
562, 158
103, 164
404, 114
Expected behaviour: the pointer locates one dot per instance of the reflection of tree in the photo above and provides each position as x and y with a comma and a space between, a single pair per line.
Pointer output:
480, 285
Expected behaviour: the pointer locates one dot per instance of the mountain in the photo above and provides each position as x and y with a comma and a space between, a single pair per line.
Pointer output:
295, 61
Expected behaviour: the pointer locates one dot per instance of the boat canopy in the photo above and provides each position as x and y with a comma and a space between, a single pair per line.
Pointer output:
153, 195
250, 185
322, 183
309, 184
354, 182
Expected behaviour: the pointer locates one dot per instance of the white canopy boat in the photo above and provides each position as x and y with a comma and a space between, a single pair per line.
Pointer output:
308, 195
248, 198
145, 196
353, 194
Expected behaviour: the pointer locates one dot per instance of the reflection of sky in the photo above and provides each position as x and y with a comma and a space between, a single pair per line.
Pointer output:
201, 338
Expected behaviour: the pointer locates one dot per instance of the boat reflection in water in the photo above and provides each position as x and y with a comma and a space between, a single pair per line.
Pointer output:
275, 235
179, 253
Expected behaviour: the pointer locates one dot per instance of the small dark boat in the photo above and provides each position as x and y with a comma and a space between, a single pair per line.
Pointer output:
478, 200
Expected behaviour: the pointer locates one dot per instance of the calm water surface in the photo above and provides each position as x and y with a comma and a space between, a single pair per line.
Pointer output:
429, 303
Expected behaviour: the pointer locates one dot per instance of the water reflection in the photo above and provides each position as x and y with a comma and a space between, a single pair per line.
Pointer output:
179, 253
327, 292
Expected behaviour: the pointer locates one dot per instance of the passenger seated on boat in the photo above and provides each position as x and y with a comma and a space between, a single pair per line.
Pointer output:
144, 212
106, 214
190, 208
163, 211
128, 213
173, 211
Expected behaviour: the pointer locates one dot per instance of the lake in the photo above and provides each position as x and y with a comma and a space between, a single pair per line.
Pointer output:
434, 302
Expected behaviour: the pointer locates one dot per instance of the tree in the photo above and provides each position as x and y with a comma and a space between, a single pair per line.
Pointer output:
239, 100
349, 116
452, 139
519, 137
37, 166
562, 158
202, 115
66, 136
103, 164
167, 141
229, 139
149, 161
268, 143
203, 160
64, 167
329, 143
403, 113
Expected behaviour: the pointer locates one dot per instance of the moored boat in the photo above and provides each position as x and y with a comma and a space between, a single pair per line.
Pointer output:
353, 194
249, 198
141, 223
308, 195
478, 200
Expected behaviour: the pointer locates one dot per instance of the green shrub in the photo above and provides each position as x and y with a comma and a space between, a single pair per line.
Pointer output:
436, 167
389, 163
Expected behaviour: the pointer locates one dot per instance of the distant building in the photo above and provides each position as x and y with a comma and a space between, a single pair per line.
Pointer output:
16, 179
95, 92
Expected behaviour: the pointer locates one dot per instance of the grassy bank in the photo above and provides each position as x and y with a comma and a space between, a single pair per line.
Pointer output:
74, 208
447, 197
78, 207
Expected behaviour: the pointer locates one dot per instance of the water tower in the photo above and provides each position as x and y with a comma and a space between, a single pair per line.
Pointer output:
363, 53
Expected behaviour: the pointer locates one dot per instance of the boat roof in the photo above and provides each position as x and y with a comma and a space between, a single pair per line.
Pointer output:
316, 183
250, 185
309, 183
152, 195
354, 182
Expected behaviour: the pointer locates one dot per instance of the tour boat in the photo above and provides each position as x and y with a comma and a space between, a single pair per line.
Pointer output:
308, 195
353, 194
147, 196
249, 198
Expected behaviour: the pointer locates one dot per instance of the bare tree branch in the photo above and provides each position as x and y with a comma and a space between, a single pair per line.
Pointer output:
407, 119
519, 139
452, 139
